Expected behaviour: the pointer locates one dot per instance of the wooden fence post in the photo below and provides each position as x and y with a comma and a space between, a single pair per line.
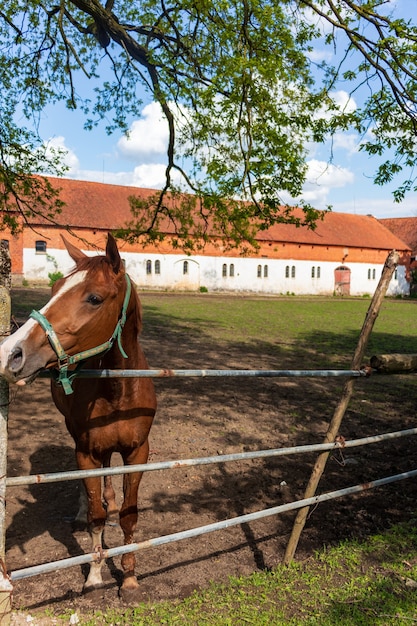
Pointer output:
334, 426
5, 584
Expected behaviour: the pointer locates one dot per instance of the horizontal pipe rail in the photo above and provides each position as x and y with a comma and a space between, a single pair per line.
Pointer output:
169, 373
201, 530
32, 479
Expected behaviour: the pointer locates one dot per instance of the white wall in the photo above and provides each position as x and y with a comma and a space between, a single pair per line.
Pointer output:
278, 280
206, 271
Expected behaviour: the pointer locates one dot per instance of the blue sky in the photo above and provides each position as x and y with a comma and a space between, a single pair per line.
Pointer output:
346, 183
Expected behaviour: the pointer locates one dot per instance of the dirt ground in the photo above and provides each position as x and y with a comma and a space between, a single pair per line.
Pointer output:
204, 417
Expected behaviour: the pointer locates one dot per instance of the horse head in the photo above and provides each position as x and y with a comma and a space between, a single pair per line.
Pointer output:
83, 313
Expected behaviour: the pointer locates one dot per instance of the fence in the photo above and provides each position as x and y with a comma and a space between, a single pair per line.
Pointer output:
302, 505
182, 463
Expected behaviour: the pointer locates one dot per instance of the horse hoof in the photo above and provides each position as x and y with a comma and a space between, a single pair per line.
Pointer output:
94, 592
130, 595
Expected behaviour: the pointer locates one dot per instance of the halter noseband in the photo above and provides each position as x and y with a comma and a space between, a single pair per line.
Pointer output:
60, 373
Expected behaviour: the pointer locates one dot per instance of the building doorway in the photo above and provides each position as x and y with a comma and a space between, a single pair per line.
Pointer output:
342, 281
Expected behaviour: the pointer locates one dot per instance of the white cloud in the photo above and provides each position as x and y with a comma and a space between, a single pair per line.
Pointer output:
378, 207
344, 101
70, 159
346, 141
151, 176
147, 135
317, 55
321, 179
328, 175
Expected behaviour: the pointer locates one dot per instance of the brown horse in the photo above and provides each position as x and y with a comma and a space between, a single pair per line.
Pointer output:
93, 318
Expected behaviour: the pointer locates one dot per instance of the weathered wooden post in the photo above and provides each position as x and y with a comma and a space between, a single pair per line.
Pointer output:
333, 429
5, 584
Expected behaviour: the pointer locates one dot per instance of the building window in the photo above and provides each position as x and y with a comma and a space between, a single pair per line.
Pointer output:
315, 272
265, 271
157, 267
259, 271
287, 271
149, 266
231, 270
224, 270
396, 274
40, 247
185, 267
371, 274
293, 271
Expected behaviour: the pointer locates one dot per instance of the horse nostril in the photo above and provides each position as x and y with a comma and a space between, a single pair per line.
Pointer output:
16, 359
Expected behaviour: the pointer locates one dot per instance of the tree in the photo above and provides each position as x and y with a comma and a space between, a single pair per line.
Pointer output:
237, 85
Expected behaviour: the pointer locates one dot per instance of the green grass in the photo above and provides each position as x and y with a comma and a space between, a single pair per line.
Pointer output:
326, 326
358, 584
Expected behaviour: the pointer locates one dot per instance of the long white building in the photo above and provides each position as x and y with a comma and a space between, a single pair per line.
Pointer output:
344, 255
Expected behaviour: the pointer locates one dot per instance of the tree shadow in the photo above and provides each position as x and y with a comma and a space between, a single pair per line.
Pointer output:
47, 507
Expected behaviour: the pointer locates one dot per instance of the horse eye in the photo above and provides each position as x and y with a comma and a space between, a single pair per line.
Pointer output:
94, 300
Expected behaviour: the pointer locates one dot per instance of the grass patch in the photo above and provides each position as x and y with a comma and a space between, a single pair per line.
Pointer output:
325, 328
359, 584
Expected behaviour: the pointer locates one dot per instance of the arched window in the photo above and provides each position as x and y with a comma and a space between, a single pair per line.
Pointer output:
287, 271
373, 274
318, 272
157, 266
40, 247
293, 271
224, 270
369, 274
265, 271
231, 270
185, 267
149, 266
313, 271
259, 271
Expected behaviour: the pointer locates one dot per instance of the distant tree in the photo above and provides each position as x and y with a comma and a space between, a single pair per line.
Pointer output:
237, 84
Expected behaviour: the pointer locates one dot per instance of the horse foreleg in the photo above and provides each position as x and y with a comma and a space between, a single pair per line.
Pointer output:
96, 517
109, 495
128, 518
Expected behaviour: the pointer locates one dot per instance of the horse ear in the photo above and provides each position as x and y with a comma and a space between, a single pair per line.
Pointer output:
112, 253
74, 252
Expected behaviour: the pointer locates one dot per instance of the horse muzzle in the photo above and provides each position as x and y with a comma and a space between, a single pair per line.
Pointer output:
17, 365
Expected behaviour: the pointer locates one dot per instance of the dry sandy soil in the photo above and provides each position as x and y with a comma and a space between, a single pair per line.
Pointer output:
204, 417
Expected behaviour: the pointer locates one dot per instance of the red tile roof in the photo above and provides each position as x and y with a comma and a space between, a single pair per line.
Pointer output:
101, 206
405, 228
94, 205
346, 229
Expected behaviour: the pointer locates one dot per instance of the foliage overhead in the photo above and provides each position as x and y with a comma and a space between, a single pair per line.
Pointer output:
239, 88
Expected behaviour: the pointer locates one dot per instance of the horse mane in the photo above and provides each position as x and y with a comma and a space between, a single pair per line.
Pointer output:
88, 263
137, 308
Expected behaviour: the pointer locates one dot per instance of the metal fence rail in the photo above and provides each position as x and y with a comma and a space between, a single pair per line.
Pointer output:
14, 481
176, 464
203, 373
201, 530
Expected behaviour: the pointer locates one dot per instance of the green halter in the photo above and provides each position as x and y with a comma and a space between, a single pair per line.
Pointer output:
61, 374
